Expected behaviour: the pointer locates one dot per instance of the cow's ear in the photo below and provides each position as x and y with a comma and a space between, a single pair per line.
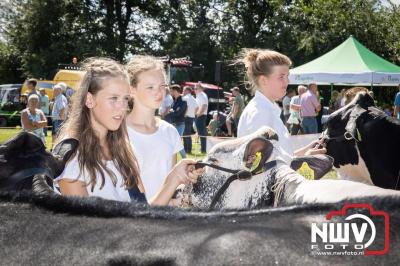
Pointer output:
257, 152
63, 152
351, 127
312, 166
65, 148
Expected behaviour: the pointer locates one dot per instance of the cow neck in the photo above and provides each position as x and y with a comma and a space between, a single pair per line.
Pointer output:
236, 175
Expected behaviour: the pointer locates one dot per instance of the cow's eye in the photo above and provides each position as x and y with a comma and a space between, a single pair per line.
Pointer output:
212, 160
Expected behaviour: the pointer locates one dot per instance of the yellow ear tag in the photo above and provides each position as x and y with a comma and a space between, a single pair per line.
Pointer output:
358, 135
306, 171
256, 162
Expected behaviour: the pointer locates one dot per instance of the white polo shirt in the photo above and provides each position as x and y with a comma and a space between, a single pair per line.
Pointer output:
261, 111
202, 99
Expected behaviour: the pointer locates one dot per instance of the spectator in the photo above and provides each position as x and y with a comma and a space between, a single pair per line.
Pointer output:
177, 113
342, 98
33, 119
44, 106
352, 92
23, 100
294, 119
310, 106
334, 103
213, 125
60, 110
236, 111
286, 106
189, 118
201, 116
166, 104
67, 91
397, 104
31, 84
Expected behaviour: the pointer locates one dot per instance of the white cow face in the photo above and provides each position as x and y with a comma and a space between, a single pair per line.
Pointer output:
247, 153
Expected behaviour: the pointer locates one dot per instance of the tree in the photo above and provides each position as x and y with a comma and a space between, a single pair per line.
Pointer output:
10, 63
188, 30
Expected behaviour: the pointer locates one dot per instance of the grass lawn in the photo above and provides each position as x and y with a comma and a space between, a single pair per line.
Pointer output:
7, 133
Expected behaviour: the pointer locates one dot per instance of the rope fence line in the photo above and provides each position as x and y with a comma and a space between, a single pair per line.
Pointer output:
18, 114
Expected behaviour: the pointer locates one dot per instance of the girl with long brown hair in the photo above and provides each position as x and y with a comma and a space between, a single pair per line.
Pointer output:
104, 164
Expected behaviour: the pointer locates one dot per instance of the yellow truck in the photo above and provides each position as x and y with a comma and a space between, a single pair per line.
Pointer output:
71, 77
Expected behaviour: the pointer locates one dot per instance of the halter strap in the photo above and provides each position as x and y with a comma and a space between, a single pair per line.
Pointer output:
236, 175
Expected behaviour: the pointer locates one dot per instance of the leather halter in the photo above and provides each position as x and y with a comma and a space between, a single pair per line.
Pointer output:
346, 136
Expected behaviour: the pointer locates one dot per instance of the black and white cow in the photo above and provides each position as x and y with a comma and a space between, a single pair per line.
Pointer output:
276, 184
365, 143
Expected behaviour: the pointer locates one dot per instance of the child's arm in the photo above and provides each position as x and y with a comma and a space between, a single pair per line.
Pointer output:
71, 187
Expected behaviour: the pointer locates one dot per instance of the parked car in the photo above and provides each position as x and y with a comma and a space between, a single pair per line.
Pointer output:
10, 106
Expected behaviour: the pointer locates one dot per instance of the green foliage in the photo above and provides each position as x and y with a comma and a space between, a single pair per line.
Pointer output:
10, 62
39, 34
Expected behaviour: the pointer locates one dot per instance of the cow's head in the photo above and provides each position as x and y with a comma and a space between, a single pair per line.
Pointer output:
258, 153
342, 134
24, 156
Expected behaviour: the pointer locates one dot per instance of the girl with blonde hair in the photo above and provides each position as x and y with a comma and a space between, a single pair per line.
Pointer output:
268, 72
155, 141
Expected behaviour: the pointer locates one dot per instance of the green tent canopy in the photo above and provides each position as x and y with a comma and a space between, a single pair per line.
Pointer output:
349, 63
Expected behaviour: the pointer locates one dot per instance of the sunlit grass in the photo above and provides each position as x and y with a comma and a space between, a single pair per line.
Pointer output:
7, 133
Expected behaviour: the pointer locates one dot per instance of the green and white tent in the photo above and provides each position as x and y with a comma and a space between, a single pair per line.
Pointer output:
349, 63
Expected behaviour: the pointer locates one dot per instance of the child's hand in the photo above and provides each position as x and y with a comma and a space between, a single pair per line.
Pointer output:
184, 172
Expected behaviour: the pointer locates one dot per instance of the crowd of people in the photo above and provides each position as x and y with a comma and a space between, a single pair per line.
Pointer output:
130, 124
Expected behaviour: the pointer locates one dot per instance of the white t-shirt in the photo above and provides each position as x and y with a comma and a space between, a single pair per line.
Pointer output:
261, 111
286, 105
154, 154
294, 115
191, 105
109, 191
202, 99
166, 104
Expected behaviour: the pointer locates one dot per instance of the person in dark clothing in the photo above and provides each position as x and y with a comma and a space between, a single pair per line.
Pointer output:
177, 114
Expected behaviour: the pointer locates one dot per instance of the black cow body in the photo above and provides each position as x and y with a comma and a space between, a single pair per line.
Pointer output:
67, 231
53, 230
365, 143
24, 156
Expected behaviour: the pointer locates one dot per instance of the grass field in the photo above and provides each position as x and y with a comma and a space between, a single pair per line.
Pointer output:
7, 133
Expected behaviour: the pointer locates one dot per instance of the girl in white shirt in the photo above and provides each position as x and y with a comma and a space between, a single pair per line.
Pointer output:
155, 142
268, 73
104, 164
